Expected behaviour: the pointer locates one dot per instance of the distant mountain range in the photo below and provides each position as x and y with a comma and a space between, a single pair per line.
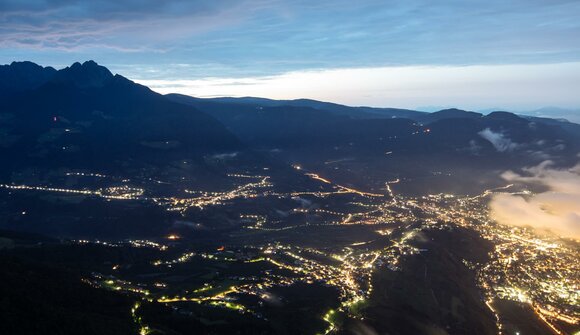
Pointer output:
292, 122
555, 113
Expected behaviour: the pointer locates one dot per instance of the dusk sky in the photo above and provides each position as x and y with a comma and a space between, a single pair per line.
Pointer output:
477, 55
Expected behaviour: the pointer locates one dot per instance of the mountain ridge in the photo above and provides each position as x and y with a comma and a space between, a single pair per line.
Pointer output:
83, 114
20, 76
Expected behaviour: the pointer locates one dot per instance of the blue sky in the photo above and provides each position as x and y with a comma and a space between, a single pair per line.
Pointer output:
197, 46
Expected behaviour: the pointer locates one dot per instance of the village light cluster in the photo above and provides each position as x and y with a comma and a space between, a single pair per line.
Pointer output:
541, 272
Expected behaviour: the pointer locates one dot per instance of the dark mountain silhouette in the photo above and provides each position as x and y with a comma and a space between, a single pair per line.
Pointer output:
369, 149
88, 74
298, 123
255, 103
451, 113
84, 116
23, 76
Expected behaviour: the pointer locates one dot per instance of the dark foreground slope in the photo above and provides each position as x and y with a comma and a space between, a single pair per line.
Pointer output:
432, 292
43, 299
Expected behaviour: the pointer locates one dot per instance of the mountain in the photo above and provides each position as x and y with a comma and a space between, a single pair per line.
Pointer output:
308, 124
83, 128
252, 102
84, 116
451, 113
276, 125
367, 148
86, 75
23, 76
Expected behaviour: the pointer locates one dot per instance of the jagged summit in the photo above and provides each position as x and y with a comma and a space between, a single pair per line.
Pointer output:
107, 120
23, 65
22, 76
26, 75
87, 74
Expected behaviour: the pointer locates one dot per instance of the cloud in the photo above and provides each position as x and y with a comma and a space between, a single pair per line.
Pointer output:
225, 156
556, 210
304, 203
275, 36
499, 140
125, 26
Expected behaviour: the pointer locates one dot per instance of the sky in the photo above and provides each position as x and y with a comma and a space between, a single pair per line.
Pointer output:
516, 55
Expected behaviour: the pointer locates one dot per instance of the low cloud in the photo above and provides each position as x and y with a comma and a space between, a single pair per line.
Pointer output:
225, 156
556, 210
500, 142
304, 203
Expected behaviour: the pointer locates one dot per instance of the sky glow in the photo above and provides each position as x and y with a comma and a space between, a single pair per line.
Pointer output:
518, 55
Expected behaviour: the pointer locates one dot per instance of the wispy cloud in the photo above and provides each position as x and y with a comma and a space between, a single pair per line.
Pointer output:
500, 141
127, 26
